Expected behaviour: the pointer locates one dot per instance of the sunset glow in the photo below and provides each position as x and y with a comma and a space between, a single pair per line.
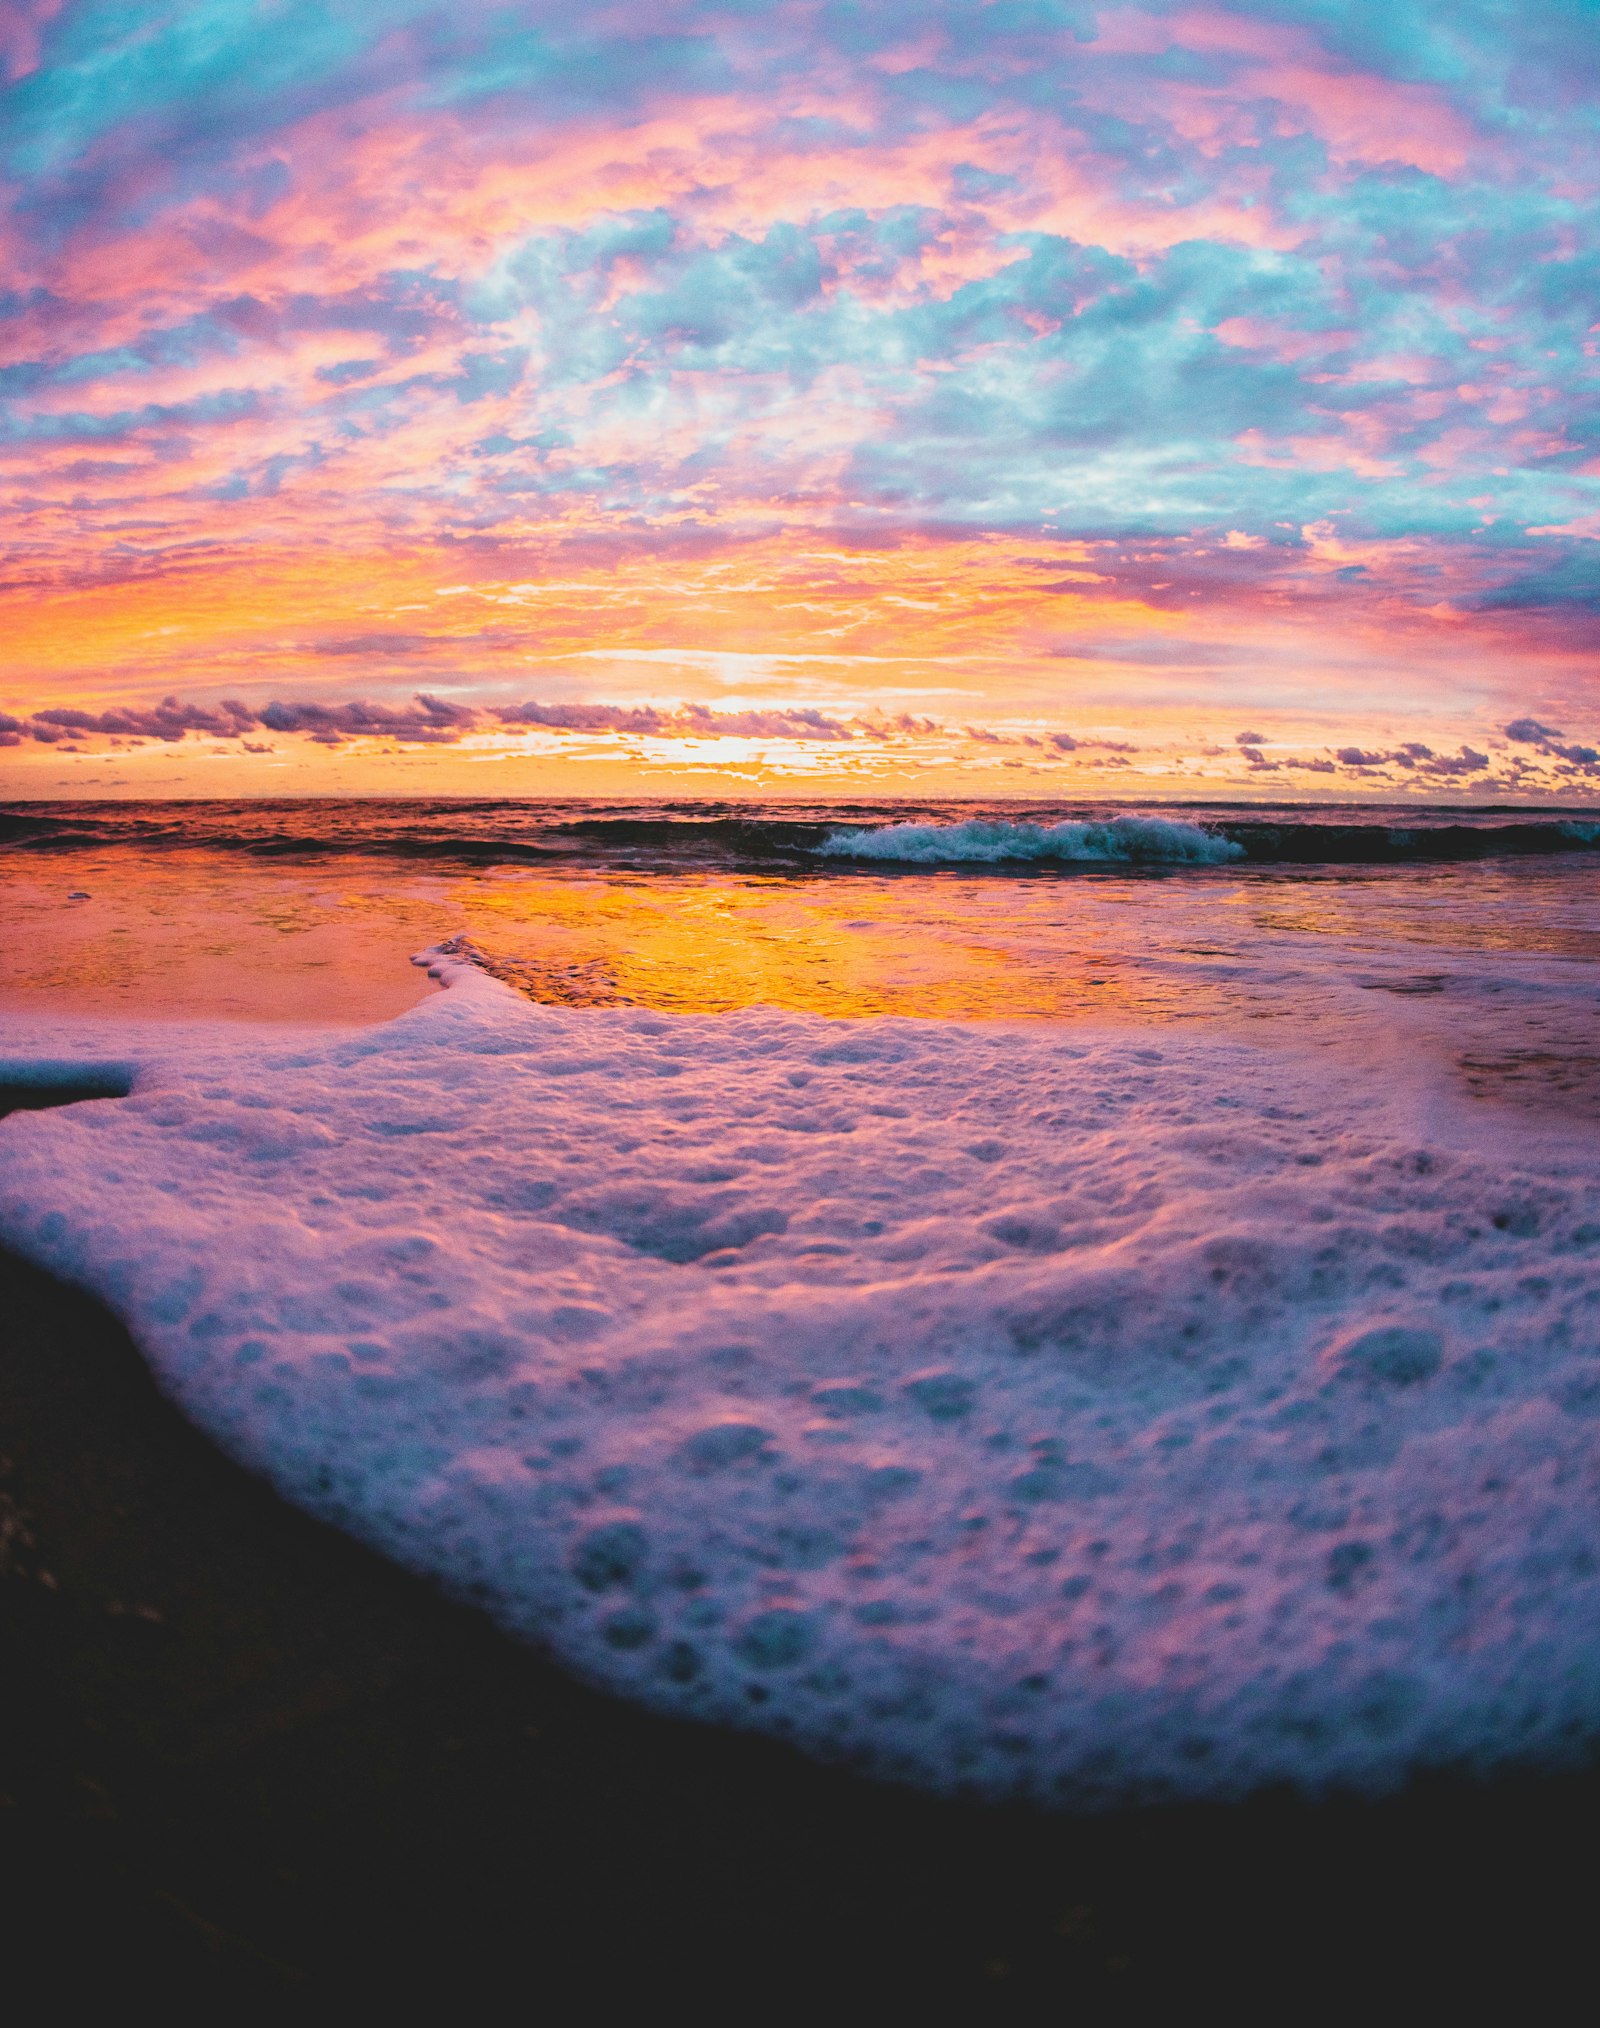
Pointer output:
1036, 400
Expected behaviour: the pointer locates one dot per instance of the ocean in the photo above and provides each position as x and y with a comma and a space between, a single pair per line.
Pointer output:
1031, 1300
1472, 930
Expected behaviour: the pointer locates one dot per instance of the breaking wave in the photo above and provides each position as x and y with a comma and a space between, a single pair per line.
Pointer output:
1122, 841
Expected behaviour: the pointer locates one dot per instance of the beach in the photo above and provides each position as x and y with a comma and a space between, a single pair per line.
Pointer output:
248, 1764
1058, 1496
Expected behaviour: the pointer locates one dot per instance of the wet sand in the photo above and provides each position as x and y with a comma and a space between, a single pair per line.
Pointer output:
244, 1762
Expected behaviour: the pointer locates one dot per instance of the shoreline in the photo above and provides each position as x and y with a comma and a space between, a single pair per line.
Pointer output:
248, 1758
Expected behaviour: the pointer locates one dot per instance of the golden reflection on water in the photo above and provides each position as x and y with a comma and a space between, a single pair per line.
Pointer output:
331, 941
935, 948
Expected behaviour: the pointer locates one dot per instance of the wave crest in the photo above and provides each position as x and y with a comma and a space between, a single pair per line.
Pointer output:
1122, 841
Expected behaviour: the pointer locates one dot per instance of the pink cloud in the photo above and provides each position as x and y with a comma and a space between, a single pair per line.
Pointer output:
1279, 341
1327, 452
1358, 116
22, 26
1362, 118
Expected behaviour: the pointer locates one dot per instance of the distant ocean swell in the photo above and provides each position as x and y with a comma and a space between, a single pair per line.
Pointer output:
814, 837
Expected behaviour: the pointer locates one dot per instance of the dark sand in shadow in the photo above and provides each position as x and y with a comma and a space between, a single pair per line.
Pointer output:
245, 1763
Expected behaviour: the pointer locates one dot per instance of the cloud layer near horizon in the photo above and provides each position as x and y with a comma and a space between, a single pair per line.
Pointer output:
1203, 360
1529, 759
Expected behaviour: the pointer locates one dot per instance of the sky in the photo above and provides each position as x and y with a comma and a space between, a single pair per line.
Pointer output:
1000, 397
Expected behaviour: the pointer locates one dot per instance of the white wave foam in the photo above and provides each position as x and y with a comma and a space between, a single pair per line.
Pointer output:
1024, 1412
1120, 841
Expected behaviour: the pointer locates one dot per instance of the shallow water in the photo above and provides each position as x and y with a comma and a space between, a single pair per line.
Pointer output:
1480, 968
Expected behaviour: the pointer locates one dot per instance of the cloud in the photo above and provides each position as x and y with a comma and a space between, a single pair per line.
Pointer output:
1414, 758
1529, 732
1545, 763
326, 246
423, 721
1279, 310
168, 720
429, 720
685, 721
376, 644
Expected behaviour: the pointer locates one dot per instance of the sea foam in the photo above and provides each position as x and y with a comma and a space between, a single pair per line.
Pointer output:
1072, 1415
1118, 841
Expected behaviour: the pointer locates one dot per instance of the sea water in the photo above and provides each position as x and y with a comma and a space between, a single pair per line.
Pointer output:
1466, 935
1070, 1302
